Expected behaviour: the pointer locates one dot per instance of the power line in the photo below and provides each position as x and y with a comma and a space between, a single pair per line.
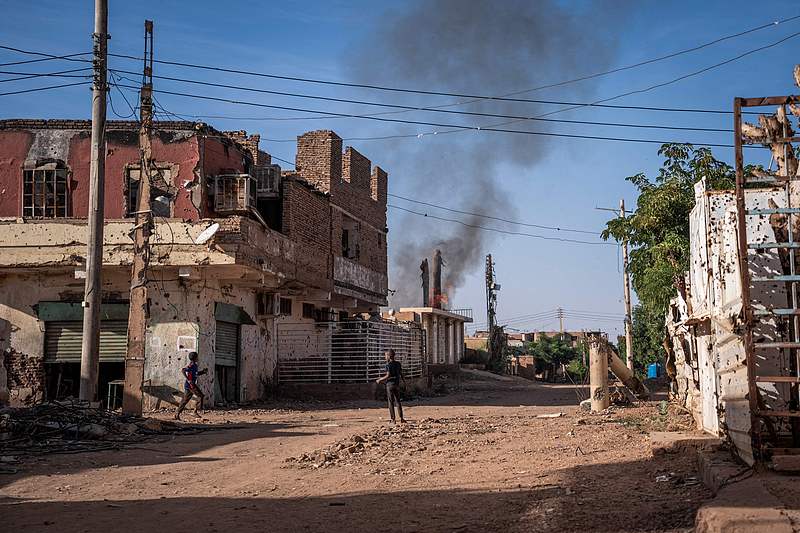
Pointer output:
664, 57
572, 106
60, 74
527, 224
685, 76
425, 109
44, 56
425, 123
474, 97
639, 91
496, 230
43, 88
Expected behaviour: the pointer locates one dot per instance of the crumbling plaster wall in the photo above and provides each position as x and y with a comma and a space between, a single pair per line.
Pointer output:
21, 331
70, 143
182, 320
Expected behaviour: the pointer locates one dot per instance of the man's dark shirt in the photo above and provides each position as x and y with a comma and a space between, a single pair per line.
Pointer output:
395, 371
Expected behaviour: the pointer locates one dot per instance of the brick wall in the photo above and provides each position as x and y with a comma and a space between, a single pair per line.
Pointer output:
319, 158
354, 186
25, 374
250, 143
306, 221
379, 187
356, 169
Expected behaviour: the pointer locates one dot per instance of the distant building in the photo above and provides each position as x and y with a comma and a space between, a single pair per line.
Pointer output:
444, 331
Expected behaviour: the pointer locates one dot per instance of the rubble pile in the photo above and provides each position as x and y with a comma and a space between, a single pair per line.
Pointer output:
405, 440
65, 427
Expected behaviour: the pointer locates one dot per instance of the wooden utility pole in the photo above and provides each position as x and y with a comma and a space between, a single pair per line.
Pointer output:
627, 287
93, 292
137, 318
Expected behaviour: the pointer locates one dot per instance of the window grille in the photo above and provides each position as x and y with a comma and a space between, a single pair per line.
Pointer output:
45, 193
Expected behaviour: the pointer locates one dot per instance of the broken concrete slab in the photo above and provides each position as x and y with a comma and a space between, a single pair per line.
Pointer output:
745, 506
718, 468
665, 442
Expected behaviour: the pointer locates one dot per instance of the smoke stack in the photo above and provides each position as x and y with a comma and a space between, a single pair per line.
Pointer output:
437, 279
426, 283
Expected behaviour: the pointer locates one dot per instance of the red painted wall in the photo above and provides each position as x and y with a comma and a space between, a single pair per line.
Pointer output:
195, 155
14, 146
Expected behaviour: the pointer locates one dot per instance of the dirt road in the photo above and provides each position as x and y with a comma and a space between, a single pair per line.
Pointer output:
475, 460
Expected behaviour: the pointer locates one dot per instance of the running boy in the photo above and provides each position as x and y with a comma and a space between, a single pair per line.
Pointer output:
190, 388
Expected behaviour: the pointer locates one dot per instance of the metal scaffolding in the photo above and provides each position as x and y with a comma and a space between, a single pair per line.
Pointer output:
771, 327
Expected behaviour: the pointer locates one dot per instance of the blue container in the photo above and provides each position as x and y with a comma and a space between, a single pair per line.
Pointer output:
653, 370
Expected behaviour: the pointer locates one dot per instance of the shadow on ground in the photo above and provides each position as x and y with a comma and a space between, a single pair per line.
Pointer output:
181, 448
620, 497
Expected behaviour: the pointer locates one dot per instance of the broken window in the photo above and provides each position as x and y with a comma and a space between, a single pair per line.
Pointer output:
286, 306
351, 248
161, 195
45, 191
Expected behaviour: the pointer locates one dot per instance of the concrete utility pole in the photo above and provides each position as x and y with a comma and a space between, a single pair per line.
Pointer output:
93, 292
627, 286
137, 318
491, 304
561, 322
598, 374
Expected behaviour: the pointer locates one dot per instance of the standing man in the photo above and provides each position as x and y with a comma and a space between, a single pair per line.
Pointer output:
394, 373
190, 388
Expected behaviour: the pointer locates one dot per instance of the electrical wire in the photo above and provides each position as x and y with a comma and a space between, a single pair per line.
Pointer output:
435, 124
473, 97
515, 118
43, 88
602, 101
516, 222
45, 56
31, 75
496, 230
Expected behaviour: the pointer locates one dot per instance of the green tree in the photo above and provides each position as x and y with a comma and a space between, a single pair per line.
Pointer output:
553, 352
658, 234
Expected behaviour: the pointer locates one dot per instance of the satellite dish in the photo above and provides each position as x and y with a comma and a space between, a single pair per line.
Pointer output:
207, 234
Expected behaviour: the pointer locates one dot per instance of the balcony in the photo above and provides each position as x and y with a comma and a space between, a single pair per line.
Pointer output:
357, 281
61, 243
466, 313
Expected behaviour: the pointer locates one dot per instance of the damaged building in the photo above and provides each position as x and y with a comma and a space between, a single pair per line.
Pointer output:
443, 327
243, 256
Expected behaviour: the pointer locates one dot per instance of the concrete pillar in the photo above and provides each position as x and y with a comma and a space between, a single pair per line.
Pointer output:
435, 344
451, 340
460, 347
598, 375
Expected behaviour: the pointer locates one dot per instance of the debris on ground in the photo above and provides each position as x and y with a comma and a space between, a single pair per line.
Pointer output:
402, 440
72, 427
550, 415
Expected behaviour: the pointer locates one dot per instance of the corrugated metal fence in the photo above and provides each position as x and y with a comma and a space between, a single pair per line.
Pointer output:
347, 351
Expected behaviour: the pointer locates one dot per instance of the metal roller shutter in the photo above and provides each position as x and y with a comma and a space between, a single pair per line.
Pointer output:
62, 341
226, 350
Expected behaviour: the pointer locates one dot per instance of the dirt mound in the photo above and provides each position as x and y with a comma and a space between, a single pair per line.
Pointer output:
384, 443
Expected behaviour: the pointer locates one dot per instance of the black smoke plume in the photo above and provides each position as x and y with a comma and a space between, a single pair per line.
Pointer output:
473, 47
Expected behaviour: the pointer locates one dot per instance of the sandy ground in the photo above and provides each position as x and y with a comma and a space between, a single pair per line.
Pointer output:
474, 460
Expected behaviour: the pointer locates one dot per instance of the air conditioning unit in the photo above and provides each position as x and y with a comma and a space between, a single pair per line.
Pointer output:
268, 181
234, 193
268, 304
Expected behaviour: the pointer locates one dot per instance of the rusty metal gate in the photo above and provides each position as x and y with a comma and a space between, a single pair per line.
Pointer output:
769, 250
346, 351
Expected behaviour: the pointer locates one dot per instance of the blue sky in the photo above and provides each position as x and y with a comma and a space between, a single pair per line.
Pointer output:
333, 39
